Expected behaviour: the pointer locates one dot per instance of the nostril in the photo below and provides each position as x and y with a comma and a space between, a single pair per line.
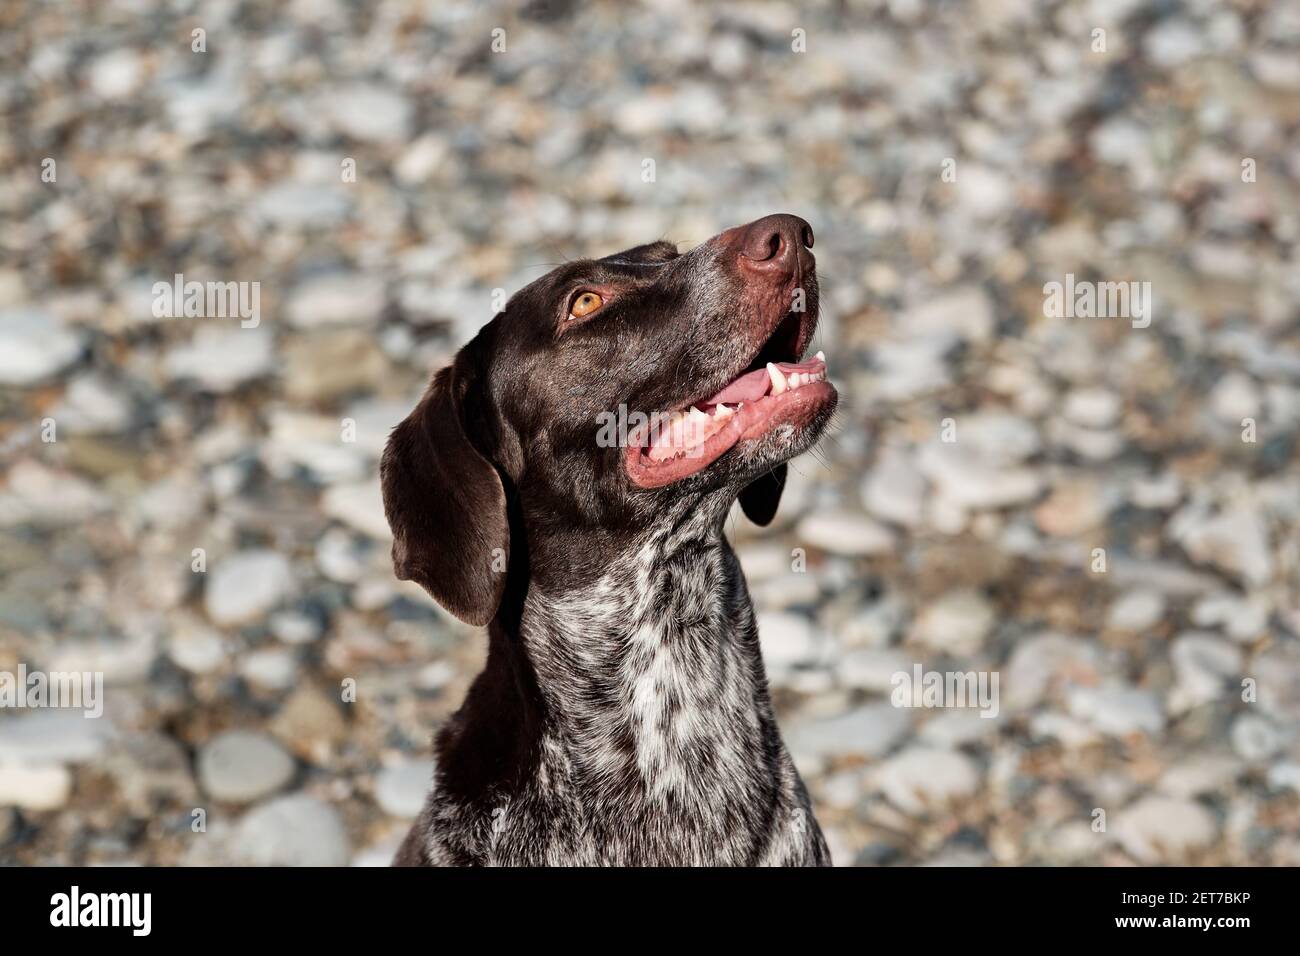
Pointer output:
765, 246
807, 236
773, 246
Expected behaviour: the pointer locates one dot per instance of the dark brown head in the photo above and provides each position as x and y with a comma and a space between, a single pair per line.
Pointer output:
606, 396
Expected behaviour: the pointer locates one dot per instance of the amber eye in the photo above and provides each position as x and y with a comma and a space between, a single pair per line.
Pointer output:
585, 304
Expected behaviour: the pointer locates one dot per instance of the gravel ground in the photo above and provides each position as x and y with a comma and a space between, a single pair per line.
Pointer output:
1100, 512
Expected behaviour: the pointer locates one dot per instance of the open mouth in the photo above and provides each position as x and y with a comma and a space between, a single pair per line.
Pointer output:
768, 394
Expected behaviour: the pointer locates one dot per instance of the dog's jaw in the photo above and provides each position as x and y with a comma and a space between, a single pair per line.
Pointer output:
789, 396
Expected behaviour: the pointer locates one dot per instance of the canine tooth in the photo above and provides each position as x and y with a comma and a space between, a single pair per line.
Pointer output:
777, 377
723, 411
697, 415
821, 356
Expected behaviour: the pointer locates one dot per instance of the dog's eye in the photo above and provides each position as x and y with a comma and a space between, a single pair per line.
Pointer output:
585, 304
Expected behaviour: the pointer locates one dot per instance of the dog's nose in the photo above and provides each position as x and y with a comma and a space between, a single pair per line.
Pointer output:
776, 244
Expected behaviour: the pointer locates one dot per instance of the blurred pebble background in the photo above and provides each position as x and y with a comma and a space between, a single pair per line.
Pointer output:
475, 170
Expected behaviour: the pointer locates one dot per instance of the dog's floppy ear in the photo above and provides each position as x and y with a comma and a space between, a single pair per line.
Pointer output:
445, 503
760, 497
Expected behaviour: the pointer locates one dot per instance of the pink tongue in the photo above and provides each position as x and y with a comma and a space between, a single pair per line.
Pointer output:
750, 387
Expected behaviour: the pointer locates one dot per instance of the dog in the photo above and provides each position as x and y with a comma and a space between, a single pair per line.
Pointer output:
623, 715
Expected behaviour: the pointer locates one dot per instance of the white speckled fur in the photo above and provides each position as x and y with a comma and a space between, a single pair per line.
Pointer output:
661, 745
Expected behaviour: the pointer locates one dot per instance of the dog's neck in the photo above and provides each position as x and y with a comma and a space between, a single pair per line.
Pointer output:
650, 670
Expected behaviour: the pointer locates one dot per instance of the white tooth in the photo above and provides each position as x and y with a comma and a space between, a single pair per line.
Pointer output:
822, 356
697, 415
777, 377
668, 426
723, 412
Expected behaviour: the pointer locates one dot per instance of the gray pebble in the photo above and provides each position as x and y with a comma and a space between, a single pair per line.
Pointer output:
241, 766
294, 830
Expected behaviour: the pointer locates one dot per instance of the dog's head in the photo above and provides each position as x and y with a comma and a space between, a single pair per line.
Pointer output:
607, 394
